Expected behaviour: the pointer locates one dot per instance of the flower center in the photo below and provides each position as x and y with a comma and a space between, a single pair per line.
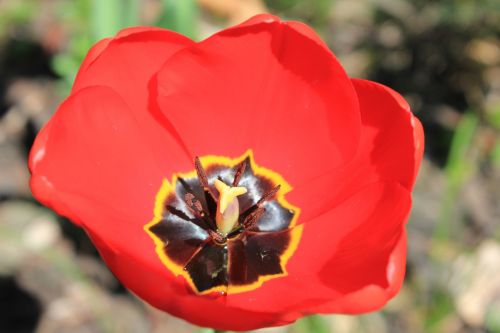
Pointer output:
225, 226
229, 221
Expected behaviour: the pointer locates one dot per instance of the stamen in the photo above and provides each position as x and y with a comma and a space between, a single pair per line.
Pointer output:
239, 172
252, 215
202, 177
218, 238
194, 205
251, 219
268, 196
196, 208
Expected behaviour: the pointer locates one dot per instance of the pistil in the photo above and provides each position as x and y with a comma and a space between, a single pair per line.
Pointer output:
228, 208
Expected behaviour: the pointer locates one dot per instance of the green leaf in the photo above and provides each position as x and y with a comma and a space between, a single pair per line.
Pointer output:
105, 18
438, 310
130, 13
495, 154
492, 321
180, 16
457, 169
311, 324
493, 116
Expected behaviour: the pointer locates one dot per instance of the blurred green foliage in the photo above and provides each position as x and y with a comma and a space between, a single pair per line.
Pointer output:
315, 12
457, 170
180, 16
91, 21
110, 16
315, 324
17, 13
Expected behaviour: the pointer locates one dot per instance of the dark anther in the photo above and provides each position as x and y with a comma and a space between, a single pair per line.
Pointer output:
194, 205
239, 172
196, 208
252, 215
218, 238
251, 219
202, 177
268, 196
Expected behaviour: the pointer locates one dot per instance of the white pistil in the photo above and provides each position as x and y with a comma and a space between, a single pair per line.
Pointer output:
228, 208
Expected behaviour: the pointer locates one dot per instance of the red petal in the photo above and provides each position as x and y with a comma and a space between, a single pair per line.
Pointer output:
127, 63
349, 248
300, 27
372, 297
266, 86
390, 149
91, 164
94, 52
398, 149
256, 19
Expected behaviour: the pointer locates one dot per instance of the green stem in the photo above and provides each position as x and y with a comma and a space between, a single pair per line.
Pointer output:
457, 170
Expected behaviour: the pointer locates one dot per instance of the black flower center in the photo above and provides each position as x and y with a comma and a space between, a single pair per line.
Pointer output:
256, 246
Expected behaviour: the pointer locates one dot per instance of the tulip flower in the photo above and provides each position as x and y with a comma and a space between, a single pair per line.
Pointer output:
239, 182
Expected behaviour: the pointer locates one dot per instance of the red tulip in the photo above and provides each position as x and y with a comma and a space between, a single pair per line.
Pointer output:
296, 205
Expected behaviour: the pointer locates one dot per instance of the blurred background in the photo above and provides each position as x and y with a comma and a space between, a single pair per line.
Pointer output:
443, 56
